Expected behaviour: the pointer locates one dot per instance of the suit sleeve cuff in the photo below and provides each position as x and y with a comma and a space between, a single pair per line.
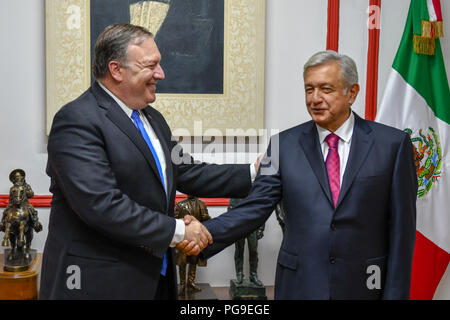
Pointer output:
252, 172
179, 232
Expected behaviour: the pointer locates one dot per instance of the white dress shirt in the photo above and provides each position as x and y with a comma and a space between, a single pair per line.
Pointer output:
344, 133
180, 228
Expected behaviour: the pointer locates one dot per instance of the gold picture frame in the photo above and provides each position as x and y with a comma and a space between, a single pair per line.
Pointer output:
239, 111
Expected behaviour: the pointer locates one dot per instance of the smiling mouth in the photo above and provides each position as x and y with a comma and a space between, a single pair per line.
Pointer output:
317, 109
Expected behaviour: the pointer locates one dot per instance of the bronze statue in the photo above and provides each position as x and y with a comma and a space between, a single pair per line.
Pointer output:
252, 241
19, 219
197, 208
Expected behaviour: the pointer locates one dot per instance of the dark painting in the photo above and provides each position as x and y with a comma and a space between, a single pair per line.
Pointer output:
191, 42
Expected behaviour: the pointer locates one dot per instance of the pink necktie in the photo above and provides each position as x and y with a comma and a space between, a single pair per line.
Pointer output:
333, 166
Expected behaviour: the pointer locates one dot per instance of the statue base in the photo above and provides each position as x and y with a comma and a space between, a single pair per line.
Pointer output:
20, 285
205, 294
247, 291
19, 264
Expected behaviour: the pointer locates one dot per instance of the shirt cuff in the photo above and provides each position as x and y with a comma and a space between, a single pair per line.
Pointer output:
252, 172
180, 229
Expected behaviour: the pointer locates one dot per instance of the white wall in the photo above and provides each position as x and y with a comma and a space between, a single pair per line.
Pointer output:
22, 91
295, 29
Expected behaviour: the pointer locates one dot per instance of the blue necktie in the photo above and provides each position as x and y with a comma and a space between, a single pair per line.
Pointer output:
138, 123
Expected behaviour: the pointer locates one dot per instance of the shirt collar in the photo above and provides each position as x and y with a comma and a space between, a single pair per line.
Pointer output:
121, 104
344, 132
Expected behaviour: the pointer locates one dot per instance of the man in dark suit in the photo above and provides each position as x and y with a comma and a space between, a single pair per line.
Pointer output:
349, 190
114, 172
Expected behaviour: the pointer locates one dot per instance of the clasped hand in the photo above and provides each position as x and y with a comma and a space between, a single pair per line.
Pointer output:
196, 237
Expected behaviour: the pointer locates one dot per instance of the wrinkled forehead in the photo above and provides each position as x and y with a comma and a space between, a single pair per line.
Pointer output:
146, 49
323, 73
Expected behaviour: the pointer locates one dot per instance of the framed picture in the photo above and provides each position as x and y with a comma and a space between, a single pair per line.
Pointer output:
213, 55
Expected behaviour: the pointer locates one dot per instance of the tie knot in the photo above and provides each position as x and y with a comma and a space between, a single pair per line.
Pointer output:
332, 140
135, 115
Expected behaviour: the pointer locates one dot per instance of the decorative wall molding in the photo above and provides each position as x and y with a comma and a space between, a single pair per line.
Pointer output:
44, 201
68, 60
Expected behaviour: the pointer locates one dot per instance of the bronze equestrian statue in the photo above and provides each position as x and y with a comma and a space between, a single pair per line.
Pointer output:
19, 218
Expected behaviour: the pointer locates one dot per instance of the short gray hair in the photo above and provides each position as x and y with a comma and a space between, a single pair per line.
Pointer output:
112, 45
349, 73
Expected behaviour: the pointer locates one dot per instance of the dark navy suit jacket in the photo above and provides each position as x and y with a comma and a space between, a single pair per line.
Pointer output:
110, 214
327, 252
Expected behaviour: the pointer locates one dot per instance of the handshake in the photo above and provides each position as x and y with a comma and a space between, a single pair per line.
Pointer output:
196, 237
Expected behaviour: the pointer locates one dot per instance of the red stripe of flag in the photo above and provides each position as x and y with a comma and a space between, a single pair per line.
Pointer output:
429, 265
437, 9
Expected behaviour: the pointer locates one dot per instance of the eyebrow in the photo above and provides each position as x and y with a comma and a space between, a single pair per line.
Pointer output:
320, 84
148, 62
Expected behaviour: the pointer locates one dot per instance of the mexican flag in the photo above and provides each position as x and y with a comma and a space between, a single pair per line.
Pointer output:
417, 100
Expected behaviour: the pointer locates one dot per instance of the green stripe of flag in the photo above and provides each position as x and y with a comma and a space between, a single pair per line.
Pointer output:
424, 73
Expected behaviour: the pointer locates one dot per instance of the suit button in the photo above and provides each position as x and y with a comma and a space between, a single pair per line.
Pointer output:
333, 226
332, 260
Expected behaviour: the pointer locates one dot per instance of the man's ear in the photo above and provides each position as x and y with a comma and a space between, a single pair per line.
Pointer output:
116, 70
353, 92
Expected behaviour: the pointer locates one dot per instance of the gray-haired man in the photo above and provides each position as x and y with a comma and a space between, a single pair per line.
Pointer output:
349, 191
112, 228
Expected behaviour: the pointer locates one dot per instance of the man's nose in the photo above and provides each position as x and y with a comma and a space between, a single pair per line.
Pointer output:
159, 73
316, 97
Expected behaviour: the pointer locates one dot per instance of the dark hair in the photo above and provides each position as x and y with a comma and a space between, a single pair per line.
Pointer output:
112, 45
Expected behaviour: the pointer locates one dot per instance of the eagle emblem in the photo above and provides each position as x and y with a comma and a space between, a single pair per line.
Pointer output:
427, 158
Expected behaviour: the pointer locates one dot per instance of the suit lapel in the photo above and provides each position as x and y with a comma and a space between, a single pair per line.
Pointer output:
362, 142
311, 147
125, 124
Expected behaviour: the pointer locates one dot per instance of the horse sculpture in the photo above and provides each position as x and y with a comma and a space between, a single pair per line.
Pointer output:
19, 220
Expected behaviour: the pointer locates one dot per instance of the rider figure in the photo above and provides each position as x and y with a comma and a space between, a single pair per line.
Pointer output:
19, 194
17, 177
